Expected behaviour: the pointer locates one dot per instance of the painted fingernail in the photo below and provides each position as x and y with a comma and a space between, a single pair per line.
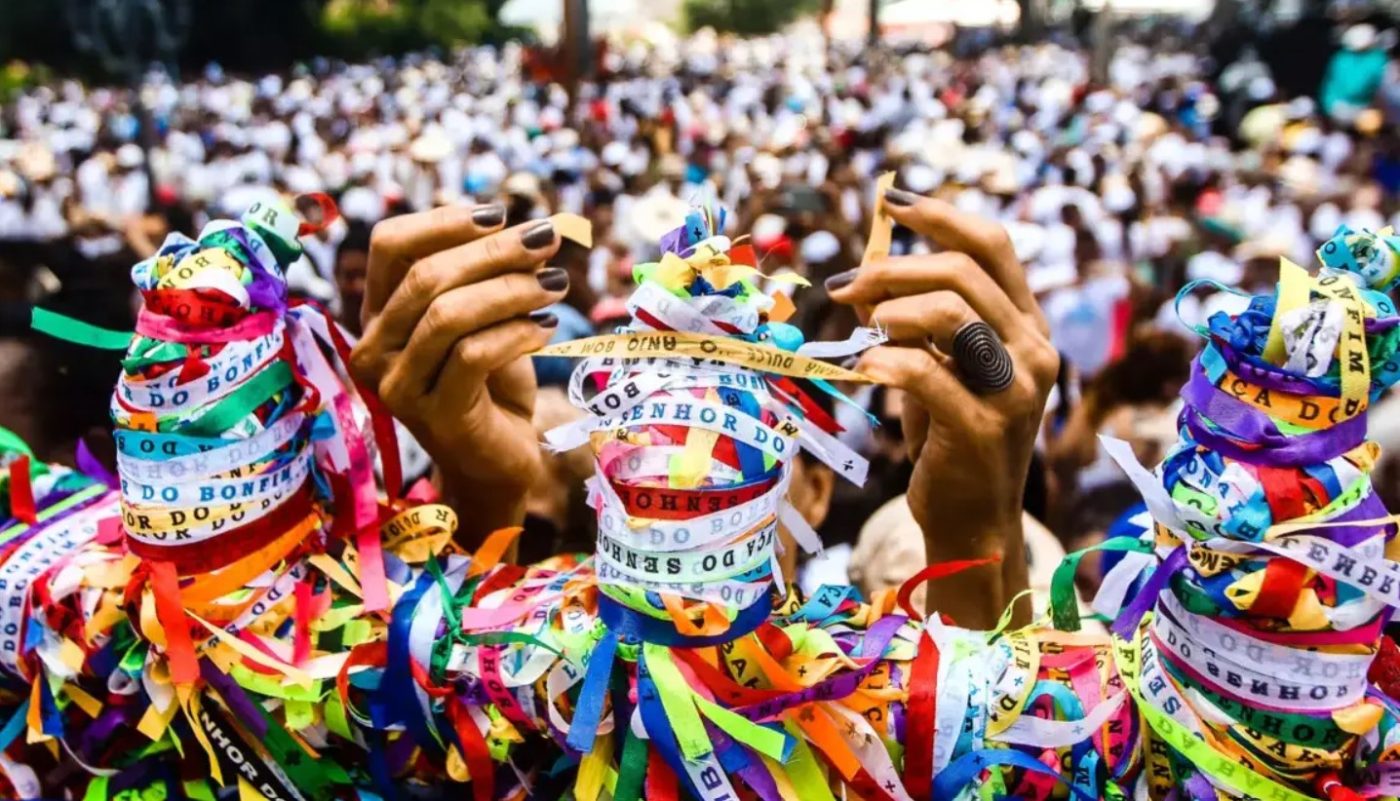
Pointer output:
539, 235
840, 280
489, 216
553, 279
544, 319
899, 197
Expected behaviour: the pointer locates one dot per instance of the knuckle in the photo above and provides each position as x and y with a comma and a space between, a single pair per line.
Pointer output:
468, 351
1045, 364
996, 237
389, 236
364, 362
437, 317
960, 267
1023, 397
521, 285
391, 391
445, 217
876, 272
493, 249
421, 278
947, 311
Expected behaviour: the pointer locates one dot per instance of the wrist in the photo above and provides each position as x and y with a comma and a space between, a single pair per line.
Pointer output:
482, 505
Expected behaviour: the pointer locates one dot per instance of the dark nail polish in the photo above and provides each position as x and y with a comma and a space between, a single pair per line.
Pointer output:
489, 216
839, 280
539, 235
544, 319
553, 279
899, 197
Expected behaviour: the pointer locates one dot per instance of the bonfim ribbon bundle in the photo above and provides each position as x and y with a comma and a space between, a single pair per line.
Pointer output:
246, 610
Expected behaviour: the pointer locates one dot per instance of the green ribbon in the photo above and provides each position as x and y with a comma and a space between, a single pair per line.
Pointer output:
241, 402
1325, 735
675, 698
67, 503
631, 769
63, 327
10, 441
684, 708
1064, 606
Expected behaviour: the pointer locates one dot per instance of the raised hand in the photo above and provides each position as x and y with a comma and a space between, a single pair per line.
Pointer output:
452, 306
971, 349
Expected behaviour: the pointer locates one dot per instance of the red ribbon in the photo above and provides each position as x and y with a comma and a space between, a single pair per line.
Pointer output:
1278, 592
934, 572
661, 782
329, 213
206, 556
22, 492
474, 751
179, 648
922, 707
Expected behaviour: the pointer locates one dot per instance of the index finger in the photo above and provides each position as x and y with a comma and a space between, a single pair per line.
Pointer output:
398, 242
985, 241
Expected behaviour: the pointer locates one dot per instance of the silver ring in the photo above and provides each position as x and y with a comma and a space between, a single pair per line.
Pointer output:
982, 360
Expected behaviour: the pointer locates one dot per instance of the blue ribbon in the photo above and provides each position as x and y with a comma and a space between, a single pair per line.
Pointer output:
396, 700
824, 603
658, 727
589, 710
625, 622
14, 725
966, 769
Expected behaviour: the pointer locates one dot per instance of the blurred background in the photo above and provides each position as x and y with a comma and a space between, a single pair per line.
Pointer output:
1133, 148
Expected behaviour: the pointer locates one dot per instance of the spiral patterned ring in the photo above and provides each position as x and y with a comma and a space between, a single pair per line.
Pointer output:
982, 359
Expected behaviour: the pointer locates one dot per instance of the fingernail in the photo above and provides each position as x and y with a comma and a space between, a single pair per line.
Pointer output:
899, 197
553, 279
839, 280
544, 319
489, 216
539, 235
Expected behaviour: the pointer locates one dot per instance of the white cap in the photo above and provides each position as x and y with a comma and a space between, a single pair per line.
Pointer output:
614, 153
129, 156
1359, 37
819, 247
362, 203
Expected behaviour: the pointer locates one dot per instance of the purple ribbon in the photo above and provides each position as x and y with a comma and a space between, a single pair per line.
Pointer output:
238, 701
265, 291
95, 737
1370, 508
92, 467
674, 241
1247, 424
1277, 451
1146, 597
876, 638
750, 769
1269, 377
1199, 788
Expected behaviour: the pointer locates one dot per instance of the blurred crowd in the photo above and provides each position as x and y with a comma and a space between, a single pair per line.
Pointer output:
1139, 201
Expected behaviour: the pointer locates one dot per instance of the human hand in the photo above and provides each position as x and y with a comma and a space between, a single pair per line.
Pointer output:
451, 311
971, 450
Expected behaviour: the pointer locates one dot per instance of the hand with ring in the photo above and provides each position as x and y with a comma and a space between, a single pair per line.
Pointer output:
970, 348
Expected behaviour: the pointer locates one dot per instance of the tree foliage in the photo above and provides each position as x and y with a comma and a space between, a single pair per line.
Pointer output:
362, 27
746, 16
256, 35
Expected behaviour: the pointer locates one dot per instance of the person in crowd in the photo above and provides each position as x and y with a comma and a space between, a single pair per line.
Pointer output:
451, 324
1114, 195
